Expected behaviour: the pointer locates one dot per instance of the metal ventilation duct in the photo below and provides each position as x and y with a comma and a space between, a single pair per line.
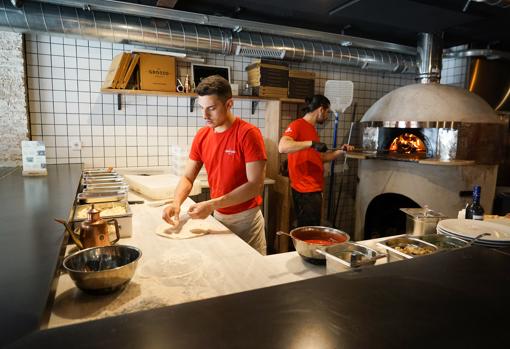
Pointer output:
429, 104
37, 17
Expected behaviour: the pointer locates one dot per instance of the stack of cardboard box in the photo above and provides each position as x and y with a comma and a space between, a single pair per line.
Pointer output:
141, 71
268, 78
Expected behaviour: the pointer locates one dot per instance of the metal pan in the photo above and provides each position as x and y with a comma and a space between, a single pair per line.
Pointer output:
400, 248
306, 241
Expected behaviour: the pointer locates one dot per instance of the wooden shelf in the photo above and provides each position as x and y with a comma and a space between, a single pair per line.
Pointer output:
178, 94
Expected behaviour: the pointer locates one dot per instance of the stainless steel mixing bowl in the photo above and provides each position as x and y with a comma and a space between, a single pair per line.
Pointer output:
102, 269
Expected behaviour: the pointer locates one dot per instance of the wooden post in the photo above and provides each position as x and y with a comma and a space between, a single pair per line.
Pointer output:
279, 195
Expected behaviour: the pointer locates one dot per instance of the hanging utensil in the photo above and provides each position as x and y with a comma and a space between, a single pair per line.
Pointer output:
340, 94
345, 167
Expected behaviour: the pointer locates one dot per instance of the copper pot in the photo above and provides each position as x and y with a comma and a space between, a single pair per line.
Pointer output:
93, 232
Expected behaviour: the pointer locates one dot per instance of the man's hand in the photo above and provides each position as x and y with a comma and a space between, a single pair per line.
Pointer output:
320, 147
171, 214
347, 147
201, 210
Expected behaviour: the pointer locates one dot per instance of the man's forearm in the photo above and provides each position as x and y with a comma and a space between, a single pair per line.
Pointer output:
293, 146
239, 195
331, 155
182, 191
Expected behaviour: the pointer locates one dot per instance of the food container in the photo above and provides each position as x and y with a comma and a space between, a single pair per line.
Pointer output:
119, 210
89, 197
347, 256
97, 170
443, 242
105, 187
404, 247
421, 221
117, 180
105, 269
100, 174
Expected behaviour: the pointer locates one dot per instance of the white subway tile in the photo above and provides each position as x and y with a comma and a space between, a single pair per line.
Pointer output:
85, 130
70, 50
120, 151
48, 130
120, 141
57, 50
95, 64
60, 86
82, 51
132, 161
98, 162
131, 151
36, 130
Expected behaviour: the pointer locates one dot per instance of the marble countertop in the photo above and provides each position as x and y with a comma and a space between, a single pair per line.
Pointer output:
174, 271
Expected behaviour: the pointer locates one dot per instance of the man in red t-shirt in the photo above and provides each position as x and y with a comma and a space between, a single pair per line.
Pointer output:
234, 156
306, 157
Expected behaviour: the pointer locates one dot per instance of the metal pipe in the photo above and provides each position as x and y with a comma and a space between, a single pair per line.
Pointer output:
231, 23
429, 58
38, 17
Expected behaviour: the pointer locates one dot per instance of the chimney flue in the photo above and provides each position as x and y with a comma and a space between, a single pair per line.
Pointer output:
430, 53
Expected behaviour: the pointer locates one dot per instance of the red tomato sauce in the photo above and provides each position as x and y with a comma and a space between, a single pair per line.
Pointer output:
321, 242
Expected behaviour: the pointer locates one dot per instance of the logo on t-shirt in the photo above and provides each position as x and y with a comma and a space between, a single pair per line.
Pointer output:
230, 152
289, 129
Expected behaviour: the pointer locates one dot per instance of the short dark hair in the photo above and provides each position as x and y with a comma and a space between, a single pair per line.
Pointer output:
215, 85
315, 102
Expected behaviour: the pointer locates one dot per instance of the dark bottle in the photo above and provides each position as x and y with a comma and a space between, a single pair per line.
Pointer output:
474, 210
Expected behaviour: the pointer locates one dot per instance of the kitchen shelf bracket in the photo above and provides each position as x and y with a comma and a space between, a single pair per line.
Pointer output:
254, 105
119, 101
192, 104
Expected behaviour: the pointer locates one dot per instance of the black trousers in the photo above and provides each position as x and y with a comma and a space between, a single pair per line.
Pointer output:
307, 208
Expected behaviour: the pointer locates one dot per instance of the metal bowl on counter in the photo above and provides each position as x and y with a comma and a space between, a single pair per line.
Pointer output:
307, 240
349, 255
400, 248
105, 269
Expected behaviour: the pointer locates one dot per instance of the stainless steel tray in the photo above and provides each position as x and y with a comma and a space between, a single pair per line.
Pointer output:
443, 242
100, 174
101, 196
125, 220
103, 188
102, 179
394, 254
348, 256
104, 185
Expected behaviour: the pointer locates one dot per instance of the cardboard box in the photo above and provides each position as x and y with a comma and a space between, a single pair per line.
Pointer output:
123, 83
118, 64
157, 72
301, 84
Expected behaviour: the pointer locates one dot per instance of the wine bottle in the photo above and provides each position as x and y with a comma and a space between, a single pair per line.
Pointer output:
475, 210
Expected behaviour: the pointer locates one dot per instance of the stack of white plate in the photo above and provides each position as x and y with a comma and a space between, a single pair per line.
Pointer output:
468, 229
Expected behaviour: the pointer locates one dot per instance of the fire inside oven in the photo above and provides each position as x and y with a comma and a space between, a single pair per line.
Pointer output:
408, 143
405, 144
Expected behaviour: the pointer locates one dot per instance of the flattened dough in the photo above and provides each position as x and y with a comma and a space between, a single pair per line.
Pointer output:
187, 229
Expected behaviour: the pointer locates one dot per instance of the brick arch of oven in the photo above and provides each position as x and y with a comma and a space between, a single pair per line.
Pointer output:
383, 216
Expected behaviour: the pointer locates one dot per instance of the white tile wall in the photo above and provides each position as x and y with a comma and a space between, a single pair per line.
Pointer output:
455, 70
64, 80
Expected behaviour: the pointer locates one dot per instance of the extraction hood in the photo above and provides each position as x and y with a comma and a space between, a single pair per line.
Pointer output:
428, 103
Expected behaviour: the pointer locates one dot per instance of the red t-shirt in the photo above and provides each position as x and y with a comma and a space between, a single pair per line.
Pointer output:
225, 156
306, 171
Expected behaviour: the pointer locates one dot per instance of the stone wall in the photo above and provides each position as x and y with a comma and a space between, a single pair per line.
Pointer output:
13, 102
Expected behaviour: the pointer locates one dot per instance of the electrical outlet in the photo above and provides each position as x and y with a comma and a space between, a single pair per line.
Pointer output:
75, 144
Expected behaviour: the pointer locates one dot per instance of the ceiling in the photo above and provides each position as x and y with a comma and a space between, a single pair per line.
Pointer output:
396, 21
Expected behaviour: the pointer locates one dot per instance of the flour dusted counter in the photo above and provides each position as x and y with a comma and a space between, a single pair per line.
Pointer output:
174, 271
